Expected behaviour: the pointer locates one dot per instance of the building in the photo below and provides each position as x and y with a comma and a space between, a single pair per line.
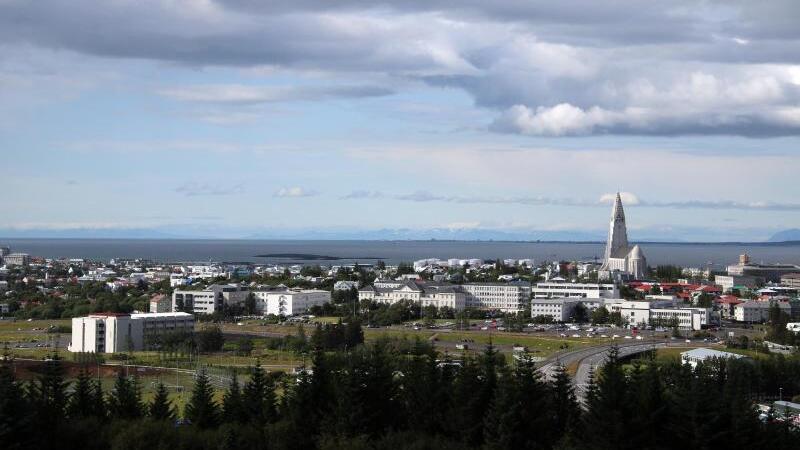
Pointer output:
765, 272
113, 332
727, 282
661, 313
791, 280
160, 303
757, 312
699, 355
562, 289
202, 302
558, 309
16, 259
507, 297
345, 285
619, 256
289, 302
426, 294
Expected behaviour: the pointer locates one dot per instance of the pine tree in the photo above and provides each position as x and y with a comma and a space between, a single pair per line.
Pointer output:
202, 410
14, 411
82, 400
566, 412
161, 408
605, 422
232, 403
259, 397
125, 400
49, 393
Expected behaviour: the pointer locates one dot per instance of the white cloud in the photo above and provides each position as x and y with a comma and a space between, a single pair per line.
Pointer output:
628, 198
293, 192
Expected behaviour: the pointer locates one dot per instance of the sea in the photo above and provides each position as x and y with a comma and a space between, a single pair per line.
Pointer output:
715, 255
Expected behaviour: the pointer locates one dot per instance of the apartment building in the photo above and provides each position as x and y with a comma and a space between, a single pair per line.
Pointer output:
507, 297
115, 332
289, 302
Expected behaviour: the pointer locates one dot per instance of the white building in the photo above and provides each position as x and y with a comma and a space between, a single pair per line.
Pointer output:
754, 311
176, 279
345, 285
112, 333
661, 313
698, 355
558, 309
289, 302
619, 256
16, 259
426, 294
506, 297
563, 289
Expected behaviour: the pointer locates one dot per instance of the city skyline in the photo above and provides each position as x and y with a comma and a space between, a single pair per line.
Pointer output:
236, 119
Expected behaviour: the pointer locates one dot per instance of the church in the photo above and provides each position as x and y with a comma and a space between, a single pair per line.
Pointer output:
620, 258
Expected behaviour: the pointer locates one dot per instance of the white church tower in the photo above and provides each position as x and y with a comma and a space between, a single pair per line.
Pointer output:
619, 256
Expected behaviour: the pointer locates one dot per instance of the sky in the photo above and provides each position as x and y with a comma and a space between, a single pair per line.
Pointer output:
519, 118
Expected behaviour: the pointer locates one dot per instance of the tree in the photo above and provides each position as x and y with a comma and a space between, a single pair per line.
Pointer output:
566, 412
82, 402
232, 403
125, 401
161, 408
250, 304
600, 316
580, 315
15, 411
209, 339
202, 410
259, 398
48, 393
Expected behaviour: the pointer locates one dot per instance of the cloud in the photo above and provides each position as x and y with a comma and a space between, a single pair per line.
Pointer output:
198, 189
294, 192
362, 194
628, 198
582, 68
243, 94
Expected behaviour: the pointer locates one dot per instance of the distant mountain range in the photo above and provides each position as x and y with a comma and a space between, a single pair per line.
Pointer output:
792, 234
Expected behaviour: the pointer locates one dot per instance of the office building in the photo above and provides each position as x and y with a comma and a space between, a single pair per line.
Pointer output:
425, 294
507, 297
16, 259
765, 272
558, 309
289, 302
558, 288
115, 332
758, 312
791, 280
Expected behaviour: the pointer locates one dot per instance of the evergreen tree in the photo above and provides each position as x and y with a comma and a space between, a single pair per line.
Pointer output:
259, 398
605, 422
161, 408
48, 393
15, 411
201, 409
125, 400
232, 403
566, 412
82, 400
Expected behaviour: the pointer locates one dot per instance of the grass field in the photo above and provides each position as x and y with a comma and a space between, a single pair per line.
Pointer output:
24, 331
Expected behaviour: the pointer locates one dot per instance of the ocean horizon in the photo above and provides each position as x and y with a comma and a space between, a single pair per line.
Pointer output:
338, 251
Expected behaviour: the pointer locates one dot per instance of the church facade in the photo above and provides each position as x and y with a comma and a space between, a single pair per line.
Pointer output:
620, 258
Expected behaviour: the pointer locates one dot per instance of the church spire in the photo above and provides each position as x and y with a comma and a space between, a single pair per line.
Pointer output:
617, 244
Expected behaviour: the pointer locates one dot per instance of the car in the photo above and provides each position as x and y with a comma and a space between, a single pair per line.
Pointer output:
603, 335
484, 328
576, 335
615, 336
639, 337
628, 337
688, 341
562, 335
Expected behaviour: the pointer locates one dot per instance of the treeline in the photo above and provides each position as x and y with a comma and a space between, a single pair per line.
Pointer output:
390, 396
